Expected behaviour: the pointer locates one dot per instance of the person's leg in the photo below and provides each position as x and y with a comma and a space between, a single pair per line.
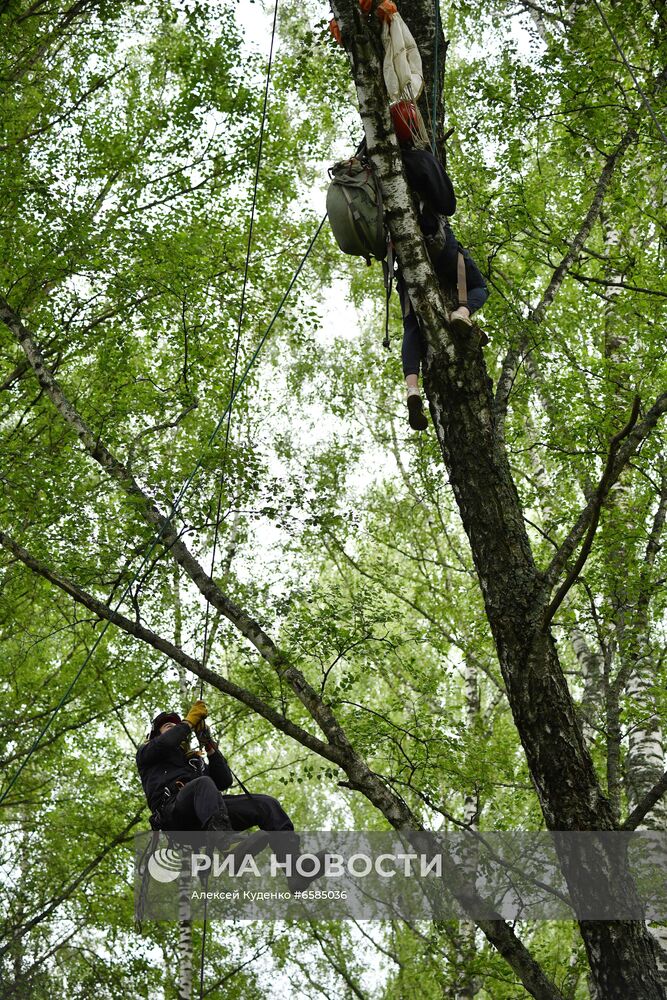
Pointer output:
200, 806
257, 810
477, 297
195, 805
412, 353
268, 814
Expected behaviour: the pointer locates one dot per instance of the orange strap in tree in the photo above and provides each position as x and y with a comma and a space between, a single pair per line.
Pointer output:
335, 30
386, 10
366, 6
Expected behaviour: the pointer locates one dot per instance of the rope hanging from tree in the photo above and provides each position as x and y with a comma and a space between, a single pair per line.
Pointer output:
216, 533
168, 521
238, 334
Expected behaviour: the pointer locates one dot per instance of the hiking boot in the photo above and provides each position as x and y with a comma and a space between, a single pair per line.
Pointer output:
297, 883
460, 322
240, 845
416, 416
236, 845
218, 822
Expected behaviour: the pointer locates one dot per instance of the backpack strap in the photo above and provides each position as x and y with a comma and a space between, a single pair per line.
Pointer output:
461, 284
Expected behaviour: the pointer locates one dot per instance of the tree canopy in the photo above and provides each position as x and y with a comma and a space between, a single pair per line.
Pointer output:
393, 618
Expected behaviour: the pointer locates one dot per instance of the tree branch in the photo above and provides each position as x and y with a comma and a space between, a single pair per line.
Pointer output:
169, 537
537, 314
503, 389
362, 779
617, 284
73, 885
587, 522
646, 804
176, 654
62, 117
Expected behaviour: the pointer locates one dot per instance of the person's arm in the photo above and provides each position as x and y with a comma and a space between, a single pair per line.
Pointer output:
151, 752
218, 768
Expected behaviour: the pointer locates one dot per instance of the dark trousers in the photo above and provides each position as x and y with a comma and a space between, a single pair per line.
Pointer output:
413, 350
193, 806
267, 813
200, 799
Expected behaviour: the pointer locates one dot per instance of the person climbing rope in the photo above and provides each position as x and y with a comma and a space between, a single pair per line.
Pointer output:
459, 276
184, 793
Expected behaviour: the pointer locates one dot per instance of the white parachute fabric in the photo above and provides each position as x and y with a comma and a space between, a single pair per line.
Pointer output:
403, 74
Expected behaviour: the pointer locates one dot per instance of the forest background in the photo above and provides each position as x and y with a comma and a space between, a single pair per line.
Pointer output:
128, 144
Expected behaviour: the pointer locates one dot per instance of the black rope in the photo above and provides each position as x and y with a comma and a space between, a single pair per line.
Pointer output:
203, 950
229, 414
175, 507
238, 334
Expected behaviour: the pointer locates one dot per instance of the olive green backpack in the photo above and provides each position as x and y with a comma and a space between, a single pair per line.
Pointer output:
354, 208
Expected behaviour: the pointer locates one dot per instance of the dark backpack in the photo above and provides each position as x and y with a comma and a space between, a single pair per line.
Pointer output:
354, 208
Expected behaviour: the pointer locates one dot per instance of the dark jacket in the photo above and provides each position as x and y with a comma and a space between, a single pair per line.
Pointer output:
162, 761
431, 185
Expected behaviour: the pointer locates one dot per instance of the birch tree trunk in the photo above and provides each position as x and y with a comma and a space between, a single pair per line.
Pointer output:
621, 954
185, 947
467, 985
645, 761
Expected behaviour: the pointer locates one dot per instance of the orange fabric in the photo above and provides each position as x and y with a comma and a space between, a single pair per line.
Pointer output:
386, 10
404, 117
335, 30
366, 6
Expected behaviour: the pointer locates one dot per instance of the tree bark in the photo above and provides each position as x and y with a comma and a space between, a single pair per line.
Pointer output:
185, 946
621, 954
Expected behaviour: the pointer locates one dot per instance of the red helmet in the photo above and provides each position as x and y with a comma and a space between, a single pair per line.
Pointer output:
405, 117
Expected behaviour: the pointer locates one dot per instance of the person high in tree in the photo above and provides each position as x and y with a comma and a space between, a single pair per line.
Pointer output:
435, 202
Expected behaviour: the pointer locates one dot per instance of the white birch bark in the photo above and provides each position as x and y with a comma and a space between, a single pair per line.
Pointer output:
467, 987
645, 759
185, 947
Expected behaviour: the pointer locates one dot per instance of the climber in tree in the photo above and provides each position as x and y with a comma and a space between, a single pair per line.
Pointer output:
183, 792
435, 200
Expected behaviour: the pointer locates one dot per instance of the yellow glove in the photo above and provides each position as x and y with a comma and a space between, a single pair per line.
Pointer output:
197, 714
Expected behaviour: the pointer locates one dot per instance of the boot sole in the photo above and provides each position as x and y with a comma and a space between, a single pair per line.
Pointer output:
251, 844
464, 329
416, 416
